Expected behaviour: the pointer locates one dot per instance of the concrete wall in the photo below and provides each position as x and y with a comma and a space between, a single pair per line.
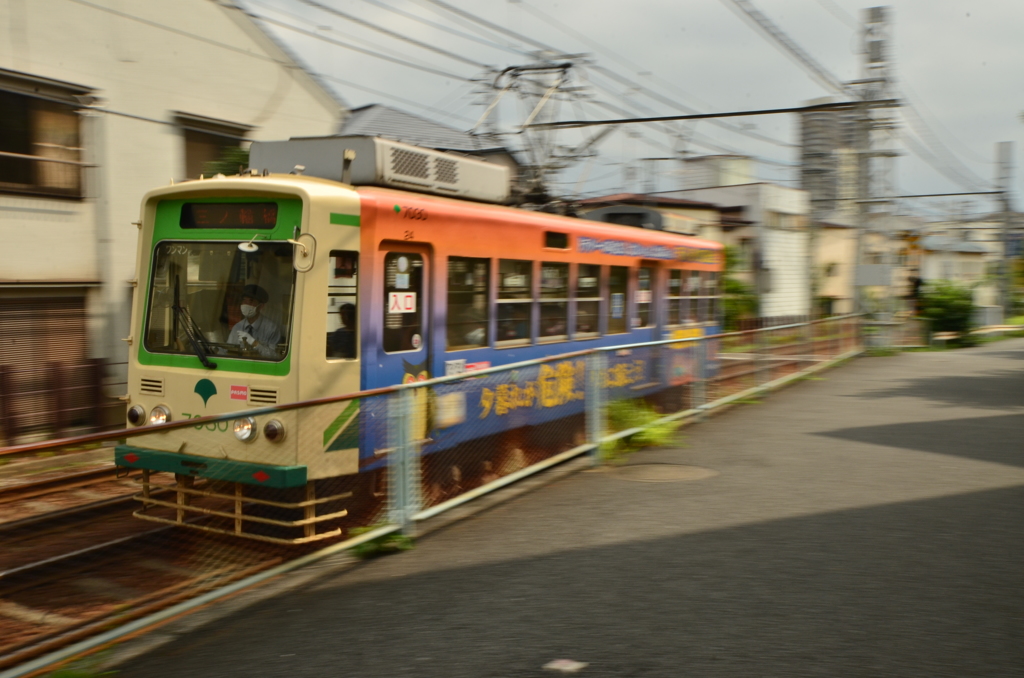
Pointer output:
835, 259
783, 241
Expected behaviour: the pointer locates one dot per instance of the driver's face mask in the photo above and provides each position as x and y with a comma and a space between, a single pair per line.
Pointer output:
247, 310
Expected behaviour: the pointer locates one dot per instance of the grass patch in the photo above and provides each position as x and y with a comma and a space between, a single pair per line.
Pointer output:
627, 414
389, 543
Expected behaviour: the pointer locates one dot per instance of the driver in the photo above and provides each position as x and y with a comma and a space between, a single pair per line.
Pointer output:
255, 331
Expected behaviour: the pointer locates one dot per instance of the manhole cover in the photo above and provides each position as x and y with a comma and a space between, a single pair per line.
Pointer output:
661, 473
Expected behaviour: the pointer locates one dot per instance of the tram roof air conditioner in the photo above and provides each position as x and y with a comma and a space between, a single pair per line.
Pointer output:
382, 162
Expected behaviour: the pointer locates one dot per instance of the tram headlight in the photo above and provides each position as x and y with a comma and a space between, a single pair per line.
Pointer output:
273, 430
245, 429
161, 414
136, 415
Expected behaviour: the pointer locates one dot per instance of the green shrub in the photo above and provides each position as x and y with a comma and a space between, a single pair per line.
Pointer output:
949, 307
627, 414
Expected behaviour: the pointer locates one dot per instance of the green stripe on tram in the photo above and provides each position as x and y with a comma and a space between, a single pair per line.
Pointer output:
344, 219
347, 414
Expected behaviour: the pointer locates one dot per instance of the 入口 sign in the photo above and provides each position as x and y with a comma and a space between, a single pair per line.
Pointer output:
401, 302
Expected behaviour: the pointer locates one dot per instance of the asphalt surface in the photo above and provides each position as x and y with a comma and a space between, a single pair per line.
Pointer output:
866, 524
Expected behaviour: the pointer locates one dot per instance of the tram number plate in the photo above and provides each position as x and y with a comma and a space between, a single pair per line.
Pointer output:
455, 367
401, 302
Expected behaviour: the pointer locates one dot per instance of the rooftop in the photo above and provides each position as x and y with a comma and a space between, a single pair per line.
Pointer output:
378, 120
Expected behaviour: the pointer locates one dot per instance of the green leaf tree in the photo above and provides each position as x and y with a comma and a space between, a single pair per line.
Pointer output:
738, 298
950, 308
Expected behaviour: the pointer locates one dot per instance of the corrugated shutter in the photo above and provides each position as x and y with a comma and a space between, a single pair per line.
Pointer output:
35, 332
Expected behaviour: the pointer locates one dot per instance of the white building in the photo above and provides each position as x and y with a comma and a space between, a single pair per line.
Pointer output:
778, 246
101, 101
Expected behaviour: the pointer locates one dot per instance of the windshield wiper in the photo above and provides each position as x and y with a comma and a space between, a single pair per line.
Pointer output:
195, 337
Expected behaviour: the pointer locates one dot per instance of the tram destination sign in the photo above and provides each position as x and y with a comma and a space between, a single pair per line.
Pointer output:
247, 215
626, 248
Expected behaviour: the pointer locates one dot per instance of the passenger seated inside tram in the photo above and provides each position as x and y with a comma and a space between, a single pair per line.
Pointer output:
342, 341
513, 322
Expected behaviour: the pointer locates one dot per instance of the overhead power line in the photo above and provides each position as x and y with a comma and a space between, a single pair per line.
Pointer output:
363, 50
844, 105
446, 29
746, 11
392, 34
494, 27
593, 44
178, 31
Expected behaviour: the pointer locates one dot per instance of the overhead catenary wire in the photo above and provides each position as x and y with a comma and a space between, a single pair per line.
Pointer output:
362, 50
494, 27
447, 29
750, 14
593, 44
951, 167
393, 34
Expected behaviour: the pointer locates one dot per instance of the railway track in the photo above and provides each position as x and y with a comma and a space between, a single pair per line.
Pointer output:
69, 579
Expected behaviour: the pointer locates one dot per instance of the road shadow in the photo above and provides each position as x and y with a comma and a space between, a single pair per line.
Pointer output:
997, 439
991, 390
926, 588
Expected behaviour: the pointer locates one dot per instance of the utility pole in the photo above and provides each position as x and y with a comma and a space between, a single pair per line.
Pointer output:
875, 144
1004, 170
540, 87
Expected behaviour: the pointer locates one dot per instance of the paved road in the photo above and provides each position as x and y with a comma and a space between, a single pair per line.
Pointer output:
865, 524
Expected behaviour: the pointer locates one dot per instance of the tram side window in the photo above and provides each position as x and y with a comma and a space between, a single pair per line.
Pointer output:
515, 300
554, 300
693, 291
588, 300
677, 303
711, 296
468, 316
618, 283
403, 302
645, 277
342, 299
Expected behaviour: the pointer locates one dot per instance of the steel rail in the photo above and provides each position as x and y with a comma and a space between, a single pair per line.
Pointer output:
38, 488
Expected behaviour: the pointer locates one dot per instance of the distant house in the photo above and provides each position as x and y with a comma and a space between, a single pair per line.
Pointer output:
776, 242
99, 103
378, 120
958, 261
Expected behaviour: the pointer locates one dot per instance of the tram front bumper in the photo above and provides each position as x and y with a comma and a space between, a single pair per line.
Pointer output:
249, 473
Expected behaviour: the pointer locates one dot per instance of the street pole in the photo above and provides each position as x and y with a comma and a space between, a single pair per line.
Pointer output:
1004, 155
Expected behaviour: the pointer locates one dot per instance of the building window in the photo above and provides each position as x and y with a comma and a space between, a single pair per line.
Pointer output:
342, 300
515, 301
41, 143
554, 301
208, 140
588, 300
468, 281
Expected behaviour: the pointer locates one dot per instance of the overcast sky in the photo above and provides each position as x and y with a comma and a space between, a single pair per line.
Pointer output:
960, 62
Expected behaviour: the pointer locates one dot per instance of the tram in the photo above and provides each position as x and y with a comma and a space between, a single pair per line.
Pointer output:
344, 264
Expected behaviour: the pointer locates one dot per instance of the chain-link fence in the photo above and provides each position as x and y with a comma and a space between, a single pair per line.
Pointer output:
107, 530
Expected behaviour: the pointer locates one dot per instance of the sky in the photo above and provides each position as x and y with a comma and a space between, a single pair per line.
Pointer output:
958, 63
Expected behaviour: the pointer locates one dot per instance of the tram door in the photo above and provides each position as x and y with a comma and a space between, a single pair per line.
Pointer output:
404, 352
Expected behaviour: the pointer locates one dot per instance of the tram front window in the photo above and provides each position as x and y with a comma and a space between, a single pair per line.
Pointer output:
210, 299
